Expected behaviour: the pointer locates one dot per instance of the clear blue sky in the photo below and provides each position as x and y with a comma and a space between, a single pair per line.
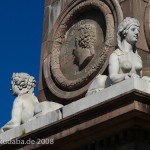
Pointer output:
21, 24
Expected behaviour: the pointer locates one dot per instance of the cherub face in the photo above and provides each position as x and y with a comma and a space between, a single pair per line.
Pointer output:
15, 89
132, 34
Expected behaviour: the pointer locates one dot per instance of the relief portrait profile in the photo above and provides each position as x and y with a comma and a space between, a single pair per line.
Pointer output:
84, 45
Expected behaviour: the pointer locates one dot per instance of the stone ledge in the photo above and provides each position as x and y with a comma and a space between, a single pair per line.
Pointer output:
105, 95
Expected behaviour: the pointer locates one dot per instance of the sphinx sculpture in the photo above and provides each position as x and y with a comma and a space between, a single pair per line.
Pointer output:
26, 105
124, 62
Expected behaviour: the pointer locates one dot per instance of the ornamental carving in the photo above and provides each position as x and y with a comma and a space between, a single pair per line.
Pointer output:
81, 41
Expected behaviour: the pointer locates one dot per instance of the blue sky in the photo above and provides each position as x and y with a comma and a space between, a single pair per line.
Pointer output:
21, 24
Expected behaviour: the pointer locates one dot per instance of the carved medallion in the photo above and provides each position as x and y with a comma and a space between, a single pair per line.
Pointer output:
80, 51
81, 40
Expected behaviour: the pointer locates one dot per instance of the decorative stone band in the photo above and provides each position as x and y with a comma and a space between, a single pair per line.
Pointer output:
55, 79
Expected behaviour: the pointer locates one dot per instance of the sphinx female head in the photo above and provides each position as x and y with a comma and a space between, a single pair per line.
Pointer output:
128, 30
84, 44
22, 83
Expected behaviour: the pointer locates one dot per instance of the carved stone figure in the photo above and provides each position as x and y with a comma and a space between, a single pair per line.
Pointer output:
84, 44
124, 62
26, 106
22, 86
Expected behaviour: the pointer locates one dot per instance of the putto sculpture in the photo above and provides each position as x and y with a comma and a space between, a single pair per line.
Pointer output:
124, 62
84, 44
26, 105
22, 86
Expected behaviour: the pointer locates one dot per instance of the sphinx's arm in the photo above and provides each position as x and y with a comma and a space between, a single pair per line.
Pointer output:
114, 69
16, 115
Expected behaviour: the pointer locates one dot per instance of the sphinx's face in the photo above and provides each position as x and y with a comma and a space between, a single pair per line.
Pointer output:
14, 88
132, 34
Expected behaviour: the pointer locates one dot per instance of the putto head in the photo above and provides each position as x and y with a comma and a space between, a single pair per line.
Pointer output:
22, 83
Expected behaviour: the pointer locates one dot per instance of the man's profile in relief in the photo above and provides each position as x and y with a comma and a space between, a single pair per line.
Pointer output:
84, 45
